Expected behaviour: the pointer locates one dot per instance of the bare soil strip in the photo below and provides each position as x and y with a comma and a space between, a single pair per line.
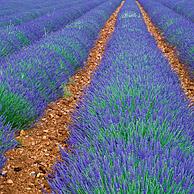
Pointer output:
170, 53
32, 161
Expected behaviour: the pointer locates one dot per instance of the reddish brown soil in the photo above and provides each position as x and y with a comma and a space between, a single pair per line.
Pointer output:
170, 53
29, 164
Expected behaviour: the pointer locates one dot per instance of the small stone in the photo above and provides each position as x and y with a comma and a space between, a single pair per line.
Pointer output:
39, 175
33, 173
21, 152
30, 185
3, 173
48, 143
22, 132
44, 137
9, 181
33, 143
46, 131
19, 145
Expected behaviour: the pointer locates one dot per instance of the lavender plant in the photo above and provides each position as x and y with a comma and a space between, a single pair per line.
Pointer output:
7, 140
133, 132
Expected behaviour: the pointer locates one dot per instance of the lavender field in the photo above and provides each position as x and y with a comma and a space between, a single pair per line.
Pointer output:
97, 97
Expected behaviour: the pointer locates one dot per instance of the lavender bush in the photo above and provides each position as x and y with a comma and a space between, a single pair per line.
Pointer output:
11, 6
14, 38
7, 140
183, 7
176, 29
18, 12
133, 132
33, 78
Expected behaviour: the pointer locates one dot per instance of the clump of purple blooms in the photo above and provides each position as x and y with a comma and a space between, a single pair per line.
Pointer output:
7, 140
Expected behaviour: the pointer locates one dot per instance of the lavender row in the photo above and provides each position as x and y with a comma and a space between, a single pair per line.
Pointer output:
133, 132
176, 29
36, 76
13, 39
11, 7
14, 7
183, 7
12, 10
25, 14
7, 140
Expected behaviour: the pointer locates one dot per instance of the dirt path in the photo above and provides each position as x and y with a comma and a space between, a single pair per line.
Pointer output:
29, 163
170, 53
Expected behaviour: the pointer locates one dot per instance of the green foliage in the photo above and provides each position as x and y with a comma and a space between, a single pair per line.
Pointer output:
67, 55
15, 108
22, 38
66, 92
